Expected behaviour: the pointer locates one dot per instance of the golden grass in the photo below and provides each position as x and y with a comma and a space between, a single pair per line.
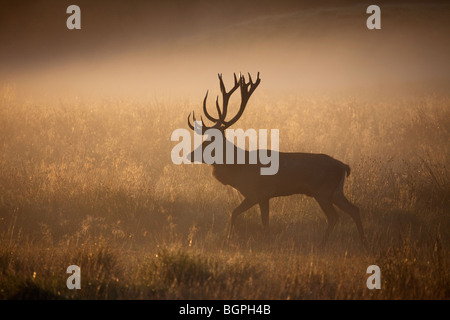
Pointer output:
92, 184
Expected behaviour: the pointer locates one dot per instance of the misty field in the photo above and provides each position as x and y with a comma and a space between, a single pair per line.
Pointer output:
91, 183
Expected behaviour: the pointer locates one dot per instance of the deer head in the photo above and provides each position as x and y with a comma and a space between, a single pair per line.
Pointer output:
220, 122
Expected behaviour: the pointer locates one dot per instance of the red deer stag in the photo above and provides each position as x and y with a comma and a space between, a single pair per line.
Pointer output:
316, 175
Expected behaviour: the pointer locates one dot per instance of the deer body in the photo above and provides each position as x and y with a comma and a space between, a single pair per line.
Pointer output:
315, 175
299, 173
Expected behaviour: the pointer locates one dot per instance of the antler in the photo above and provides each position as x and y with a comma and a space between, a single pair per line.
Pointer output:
246, 91
245, 96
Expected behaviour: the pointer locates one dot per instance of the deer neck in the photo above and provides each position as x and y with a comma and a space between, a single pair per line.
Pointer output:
225, 172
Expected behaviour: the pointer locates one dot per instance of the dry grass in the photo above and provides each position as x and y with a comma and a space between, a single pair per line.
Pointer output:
92, 184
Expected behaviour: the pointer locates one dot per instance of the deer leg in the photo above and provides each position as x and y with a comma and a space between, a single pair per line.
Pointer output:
332, 217
345, 205
244, 206
264, 208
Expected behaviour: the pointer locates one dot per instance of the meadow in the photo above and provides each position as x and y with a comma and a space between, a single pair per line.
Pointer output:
91, 183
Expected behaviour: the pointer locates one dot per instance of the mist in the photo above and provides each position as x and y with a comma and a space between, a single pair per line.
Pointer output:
87, 178
140, 49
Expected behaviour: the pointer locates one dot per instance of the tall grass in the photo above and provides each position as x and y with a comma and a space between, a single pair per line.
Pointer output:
91, 183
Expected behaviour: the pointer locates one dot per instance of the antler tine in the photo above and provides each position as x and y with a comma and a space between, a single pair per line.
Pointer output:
217, 122
245, 96
222, 86
205, 111
195, 126
195, 120
218, 108
189, 122
254, 85
226, 96
250, 78
220, 123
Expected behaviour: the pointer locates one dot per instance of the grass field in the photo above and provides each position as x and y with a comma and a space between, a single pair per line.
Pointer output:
91, 183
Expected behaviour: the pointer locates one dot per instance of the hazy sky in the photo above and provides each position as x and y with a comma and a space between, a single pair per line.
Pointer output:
139, 48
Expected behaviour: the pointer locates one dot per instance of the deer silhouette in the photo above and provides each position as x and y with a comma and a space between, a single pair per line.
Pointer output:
316, 175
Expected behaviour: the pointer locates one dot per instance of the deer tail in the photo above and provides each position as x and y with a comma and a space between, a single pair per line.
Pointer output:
347, 169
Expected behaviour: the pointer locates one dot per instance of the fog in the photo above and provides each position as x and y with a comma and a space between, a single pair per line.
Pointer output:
87, 177
141, 49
